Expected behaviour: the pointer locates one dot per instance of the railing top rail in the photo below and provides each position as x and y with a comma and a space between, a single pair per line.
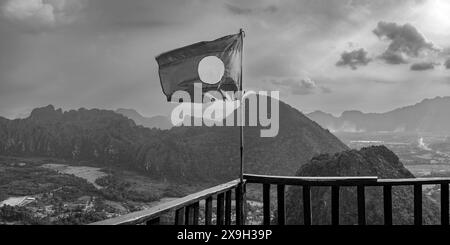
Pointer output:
148, 214
412, 181
316, 181
342, 181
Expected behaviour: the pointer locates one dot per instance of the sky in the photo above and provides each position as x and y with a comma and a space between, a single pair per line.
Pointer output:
330, 55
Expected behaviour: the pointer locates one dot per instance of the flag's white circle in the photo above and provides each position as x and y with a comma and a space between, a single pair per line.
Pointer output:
211, 69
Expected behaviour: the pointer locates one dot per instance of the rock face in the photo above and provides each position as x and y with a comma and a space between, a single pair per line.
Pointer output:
372, 161
80, 135
430, 116
181, 153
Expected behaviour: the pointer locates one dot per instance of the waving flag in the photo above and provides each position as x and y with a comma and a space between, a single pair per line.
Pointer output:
214, 64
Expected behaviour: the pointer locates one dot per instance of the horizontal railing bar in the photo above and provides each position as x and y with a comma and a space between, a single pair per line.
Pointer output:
144, 215
313, 181
412, 181
342, 181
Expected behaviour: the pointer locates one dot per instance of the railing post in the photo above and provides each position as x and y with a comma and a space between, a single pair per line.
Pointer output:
306, 205
266, 204
281, 213
361, 205
155, 221
244, 203
335, 205
187, 215
179, 216
417, 204
228, 207
195, 209
208, 210
220, 211
239, 204
444, 203
387, 200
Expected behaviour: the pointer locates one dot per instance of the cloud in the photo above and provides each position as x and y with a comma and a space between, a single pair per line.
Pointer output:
300, 86
447, 63
105, 53
354, 59
422, 66
32, 11
325, 90
37, 15
119, 15
405, 41
237, 10
394, 58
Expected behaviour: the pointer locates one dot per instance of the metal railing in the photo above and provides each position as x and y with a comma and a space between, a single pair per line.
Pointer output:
187, 208
360, 183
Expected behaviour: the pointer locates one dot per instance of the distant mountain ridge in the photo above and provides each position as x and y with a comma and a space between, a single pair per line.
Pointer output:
371, 161
430, 116
181, 153
160, 122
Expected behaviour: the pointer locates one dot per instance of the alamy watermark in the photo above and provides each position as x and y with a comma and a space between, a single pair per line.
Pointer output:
210, 109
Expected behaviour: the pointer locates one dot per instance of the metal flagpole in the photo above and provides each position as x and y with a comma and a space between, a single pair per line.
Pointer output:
240, 191
242, 111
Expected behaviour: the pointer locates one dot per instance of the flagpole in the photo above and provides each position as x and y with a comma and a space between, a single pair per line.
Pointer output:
240, 191
241, 32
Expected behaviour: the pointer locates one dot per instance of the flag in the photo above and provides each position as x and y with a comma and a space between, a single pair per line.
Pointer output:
214, 64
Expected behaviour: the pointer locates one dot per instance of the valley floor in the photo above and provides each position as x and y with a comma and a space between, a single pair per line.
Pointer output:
53, 191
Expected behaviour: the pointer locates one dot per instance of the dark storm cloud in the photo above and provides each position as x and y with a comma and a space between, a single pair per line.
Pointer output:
447, 63
300, 86
354, 59
394, 58
422, 66
405, 40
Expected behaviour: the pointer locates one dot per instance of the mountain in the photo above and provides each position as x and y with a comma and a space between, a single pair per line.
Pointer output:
181, 153
81, 134
428, 116
372, 161
160, 122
